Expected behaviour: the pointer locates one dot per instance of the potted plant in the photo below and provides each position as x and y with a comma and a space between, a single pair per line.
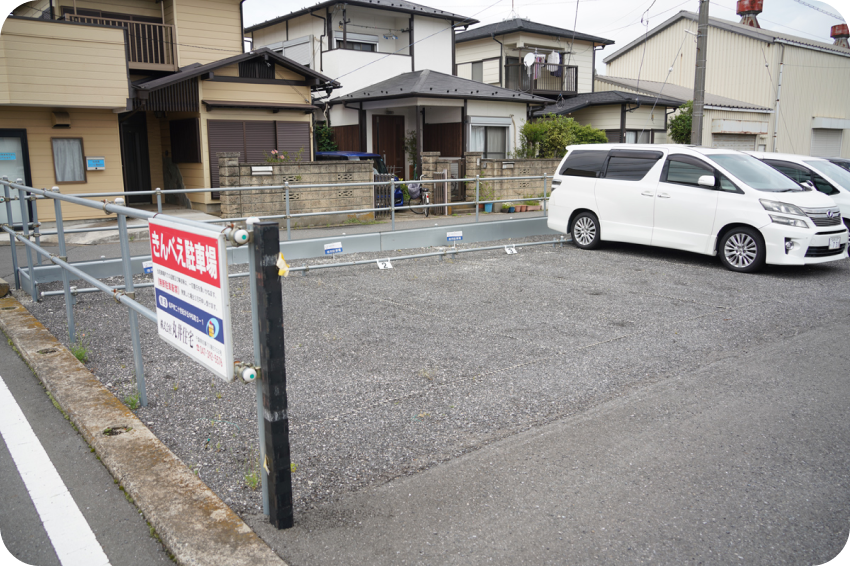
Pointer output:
532, 205
506, 207
486, 192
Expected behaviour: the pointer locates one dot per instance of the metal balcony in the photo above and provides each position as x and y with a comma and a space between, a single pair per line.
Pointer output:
542, 78
150, 46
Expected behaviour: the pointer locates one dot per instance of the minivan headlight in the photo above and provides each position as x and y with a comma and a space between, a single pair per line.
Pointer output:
788, 221
783, 207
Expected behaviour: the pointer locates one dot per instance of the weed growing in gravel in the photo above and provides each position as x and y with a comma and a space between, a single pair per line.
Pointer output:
252, 471
80, 348
175, 386
132, 400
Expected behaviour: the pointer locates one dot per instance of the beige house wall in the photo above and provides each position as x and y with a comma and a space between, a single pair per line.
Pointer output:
600, 117
134, 7
207, 30
99, 132
63, 65
477, 50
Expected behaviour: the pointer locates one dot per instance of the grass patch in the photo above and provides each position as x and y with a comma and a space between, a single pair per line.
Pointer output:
132, 401
81, 348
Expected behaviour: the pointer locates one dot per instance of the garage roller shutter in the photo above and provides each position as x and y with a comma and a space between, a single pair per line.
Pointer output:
826, 143
224, 135
739, 142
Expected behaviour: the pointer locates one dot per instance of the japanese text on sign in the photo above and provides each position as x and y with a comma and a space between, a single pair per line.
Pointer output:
192, 297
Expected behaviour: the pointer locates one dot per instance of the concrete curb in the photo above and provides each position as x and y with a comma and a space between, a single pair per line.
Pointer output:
193, 523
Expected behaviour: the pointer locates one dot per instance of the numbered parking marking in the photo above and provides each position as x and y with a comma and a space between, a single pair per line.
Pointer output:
384, 264
510, 249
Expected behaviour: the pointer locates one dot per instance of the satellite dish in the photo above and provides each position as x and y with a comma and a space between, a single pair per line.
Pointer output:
528, 60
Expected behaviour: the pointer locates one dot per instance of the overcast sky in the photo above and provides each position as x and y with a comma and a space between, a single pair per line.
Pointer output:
618, 20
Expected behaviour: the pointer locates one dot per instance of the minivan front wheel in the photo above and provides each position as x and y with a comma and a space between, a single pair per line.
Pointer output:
585, 231
742, 249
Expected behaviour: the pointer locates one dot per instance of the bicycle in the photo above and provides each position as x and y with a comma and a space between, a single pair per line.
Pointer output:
419, 196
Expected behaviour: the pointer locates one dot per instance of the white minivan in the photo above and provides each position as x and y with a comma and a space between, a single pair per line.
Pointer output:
828, 178
709, 201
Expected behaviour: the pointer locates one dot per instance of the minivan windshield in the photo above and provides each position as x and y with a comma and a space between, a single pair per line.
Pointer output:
754, 173
833, 171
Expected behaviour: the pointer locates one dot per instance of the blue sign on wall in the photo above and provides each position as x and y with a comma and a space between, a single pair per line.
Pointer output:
8, 156
95, 163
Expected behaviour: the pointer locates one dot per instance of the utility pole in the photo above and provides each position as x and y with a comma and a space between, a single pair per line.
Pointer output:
699, 78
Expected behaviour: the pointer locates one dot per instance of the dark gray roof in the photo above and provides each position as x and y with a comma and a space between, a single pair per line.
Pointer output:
676, 92
519, 24
392, 5
604, 98
734, 27
431, 84
196, 70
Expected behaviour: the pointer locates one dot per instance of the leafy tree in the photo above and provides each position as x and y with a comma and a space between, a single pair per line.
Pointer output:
325, 137
680, 125
549, 136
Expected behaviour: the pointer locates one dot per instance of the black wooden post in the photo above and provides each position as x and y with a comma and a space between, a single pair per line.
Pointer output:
273, 373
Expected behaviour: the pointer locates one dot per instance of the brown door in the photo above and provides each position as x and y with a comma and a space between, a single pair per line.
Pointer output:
388, 141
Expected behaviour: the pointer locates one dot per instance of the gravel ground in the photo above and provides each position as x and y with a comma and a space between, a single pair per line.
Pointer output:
393, 371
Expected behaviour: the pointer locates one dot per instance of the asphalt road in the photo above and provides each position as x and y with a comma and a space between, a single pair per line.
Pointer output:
119, 528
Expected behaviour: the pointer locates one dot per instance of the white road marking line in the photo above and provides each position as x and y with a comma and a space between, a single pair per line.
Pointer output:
70, 534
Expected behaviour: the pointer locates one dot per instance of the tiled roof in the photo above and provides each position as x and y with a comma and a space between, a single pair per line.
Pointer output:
605, 98
392, 5
677, 92
431, 84
519, 24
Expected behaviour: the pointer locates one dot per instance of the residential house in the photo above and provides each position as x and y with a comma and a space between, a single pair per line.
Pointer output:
395, 61
129, 95
765, 90
563, 60
625, 117
559, 64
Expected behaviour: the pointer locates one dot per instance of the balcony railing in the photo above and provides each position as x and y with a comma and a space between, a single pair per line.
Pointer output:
150, 46
542, 78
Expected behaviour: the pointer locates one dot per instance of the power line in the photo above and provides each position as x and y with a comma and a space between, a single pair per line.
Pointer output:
781, 114
813, 7
669, 72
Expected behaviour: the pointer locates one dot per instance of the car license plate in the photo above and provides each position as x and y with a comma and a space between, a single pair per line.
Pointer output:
834, 243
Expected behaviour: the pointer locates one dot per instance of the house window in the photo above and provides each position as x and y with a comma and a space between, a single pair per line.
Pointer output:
68, 160
478, 71
357, 41
491, 140
358, 45
637, 136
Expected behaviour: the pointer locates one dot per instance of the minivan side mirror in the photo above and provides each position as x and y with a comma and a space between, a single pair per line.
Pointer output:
706, 181
809, 185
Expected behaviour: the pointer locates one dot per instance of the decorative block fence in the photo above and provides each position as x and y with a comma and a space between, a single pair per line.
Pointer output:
518, 189
270, 202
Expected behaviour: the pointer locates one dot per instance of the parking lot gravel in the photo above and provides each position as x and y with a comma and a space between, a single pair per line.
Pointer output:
394, 371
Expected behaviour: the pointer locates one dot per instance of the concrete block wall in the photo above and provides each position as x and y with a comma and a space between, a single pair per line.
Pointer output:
270, 202
519, 189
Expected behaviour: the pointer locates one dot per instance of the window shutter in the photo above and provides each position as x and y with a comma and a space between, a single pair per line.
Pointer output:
224, 135
299, 50
259, 140
292, 137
